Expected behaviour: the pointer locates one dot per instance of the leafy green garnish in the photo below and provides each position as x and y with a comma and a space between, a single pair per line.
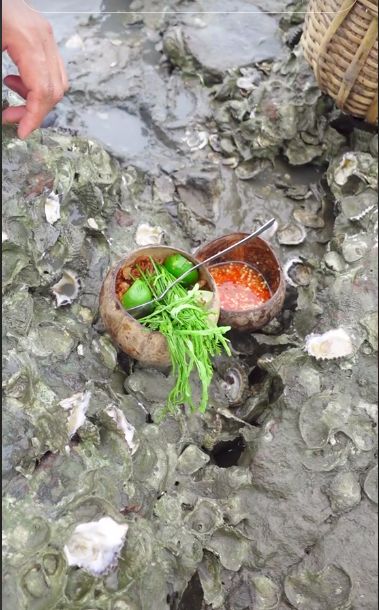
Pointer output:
191, 336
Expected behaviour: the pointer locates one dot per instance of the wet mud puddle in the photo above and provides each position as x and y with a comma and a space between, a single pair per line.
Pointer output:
124, 133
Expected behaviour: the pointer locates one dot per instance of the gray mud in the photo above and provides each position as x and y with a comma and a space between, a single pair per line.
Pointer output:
269, 500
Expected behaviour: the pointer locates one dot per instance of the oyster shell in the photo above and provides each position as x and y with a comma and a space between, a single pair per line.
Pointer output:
75, 42
77, 406
298, 192
308, 219
354, 248
355, 207
147, 234
191, 460
231, 162
334, 261
52, 208
230, 547
351, 164
196, 140
331, 345
344, 492
352, 173
95, 546
205, 517
214, 142
291, 234
267, 593
248, 170
164, 189
297, 272
227, 145
67, 289
235, 381
246, 83
371, 484
121, 422
326, 414
307, 587
370, 324
92, 224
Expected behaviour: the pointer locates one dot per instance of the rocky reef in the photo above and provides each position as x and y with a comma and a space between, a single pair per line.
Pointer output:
269, 500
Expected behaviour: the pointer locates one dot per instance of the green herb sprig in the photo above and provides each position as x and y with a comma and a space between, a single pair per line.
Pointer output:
192, 338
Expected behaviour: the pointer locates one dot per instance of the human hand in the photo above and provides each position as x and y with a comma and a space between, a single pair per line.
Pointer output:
28, 39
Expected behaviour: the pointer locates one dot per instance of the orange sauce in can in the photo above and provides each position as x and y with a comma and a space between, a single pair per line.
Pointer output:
240, 286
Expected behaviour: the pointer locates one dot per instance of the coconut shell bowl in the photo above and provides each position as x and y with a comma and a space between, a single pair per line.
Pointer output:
148, 347
259, 255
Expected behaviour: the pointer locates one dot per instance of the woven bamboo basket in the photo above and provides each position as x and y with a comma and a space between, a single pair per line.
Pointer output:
340, 42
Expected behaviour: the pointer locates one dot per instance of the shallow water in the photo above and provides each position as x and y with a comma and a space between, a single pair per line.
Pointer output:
123, 133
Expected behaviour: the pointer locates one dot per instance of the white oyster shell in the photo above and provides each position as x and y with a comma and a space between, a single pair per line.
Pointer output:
122, 423
147, 235
95, 546
246, 83
52, 208
347, 167
331, 345
77, 406
196, 140
75, 42
67, 289
92, 224
291, 234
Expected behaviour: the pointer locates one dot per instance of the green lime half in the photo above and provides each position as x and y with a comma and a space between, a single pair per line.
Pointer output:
177, 264
138, 294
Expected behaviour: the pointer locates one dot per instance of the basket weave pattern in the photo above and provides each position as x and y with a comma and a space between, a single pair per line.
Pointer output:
340, 42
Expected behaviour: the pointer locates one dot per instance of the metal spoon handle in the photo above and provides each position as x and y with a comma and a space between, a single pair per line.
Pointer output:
263, 228
229, 248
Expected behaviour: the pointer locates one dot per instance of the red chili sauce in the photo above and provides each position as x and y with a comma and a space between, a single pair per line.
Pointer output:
240, 286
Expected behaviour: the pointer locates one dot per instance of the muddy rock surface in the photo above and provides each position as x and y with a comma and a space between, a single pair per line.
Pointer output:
269, 500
